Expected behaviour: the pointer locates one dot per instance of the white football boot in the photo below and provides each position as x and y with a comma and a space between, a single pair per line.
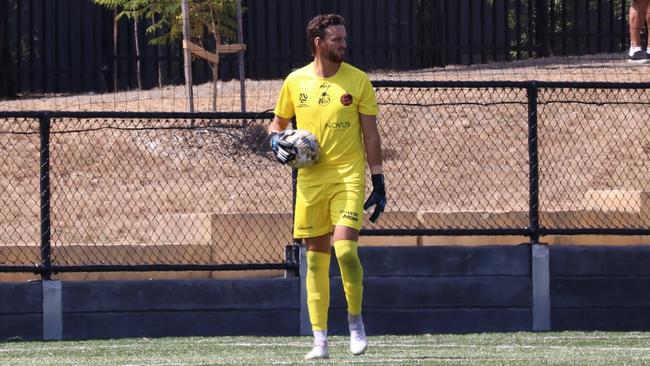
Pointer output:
358, 341
319, 352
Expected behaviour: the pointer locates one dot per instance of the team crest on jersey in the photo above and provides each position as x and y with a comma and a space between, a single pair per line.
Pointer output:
324, 98
346, 99
302, 98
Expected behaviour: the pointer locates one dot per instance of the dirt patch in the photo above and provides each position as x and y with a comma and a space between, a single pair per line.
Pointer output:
445, 150
262, 94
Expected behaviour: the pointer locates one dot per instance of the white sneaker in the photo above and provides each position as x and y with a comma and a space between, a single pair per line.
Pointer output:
636, 55
318, 353
358, 341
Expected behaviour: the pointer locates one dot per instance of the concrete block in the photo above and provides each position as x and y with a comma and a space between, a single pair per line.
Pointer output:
485, 219
590, 219
184, 229
616, 200
393, 220
608, 240
20, 254
473, 240
250, 238
430, 219
72, 254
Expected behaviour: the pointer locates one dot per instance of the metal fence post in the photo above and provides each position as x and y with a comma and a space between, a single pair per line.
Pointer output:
46, 249
52, 310
541, 312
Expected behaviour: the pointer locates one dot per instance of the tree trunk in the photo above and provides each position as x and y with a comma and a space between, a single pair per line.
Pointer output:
159, 61
215, 68
137, 54
215, 78
115, 34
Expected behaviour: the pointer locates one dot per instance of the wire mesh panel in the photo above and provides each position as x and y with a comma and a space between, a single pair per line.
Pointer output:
135, 190
166, 191
19, 187
594, 150
456, 157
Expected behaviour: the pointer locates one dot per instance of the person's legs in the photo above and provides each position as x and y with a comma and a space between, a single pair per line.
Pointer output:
312, 222
345, 247
318, 292
637, 17
351, 271
318, 280
347, 213
636, 23
645, 5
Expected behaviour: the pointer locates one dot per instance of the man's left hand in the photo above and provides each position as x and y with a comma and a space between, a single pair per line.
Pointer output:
377, 197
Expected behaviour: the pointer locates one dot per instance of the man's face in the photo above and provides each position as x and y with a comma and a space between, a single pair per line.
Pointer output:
333, 46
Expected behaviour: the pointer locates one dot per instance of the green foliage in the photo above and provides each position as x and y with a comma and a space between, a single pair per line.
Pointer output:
216, 17
110, 4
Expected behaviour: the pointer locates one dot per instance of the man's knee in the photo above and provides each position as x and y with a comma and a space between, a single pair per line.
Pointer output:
346, 252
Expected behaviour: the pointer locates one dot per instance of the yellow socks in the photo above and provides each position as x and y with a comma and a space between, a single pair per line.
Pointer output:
351, 273
318, 288
318, 281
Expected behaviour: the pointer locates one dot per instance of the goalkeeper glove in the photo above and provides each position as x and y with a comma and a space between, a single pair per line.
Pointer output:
377, 197
284, 151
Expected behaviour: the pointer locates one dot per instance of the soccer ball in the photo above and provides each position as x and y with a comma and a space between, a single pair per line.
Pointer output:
306, 147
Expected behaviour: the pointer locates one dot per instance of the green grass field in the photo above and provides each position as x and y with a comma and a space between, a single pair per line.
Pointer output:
521, 349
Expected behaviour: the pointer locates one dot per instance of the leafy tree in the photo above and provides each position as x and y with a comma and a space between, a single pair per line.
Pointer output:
117, 6
212, 22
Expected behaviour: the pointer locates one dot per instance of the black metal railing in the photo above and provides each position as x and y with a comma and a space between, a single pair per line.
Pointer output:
116, 191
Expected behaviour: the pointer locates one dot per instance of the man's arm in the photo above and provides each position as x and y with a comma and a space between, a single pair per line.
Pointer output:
279, 124
372, 143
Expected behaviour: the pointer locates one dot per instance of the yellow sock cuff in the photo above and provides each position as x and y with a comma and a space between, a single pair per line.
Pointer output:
318, 288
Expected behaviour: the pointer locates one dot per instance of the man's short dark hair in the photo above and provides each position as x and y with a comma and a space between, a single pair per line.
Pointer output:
316, 27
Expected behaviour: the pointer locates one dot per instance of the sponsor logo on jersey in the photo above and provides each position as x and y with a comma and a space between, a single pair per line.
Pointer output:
346, 99
338, 125
349, 215
305, 227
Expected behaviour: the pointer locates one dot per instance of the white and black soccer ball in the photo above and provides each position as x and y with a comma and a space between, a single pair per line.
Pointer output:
306, 147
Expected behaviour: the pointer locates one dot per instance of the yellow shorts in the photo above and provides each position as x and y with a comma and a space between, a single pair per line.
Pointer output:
319, 208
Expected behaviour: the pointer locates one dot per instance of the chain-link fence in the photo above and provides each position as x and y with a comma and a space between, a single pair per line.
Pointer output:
174, 191
143, 189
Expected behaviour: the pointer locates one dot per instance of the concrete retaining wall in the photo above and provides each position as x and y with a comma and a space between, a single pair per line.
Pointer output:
431, 289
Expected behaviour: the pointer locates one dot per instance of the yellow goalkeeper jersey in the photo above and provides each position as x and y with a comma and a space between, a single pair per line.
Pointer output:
329, 108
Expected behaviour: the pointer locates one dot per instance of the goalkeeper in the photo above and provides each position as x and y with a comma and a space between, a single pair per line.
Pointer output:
336, 102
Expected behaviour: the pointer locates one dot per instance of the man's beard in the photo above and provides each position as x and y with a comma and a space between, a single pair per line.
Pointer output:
334, 57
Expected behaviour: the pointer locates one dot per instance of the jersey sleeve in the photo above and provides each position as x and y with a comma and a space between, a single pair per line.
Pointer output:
368, 101
284, 106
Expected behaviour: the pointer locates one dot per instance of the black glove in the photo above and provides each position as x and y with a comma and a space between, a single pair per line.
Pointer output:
284, 151
377, 197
